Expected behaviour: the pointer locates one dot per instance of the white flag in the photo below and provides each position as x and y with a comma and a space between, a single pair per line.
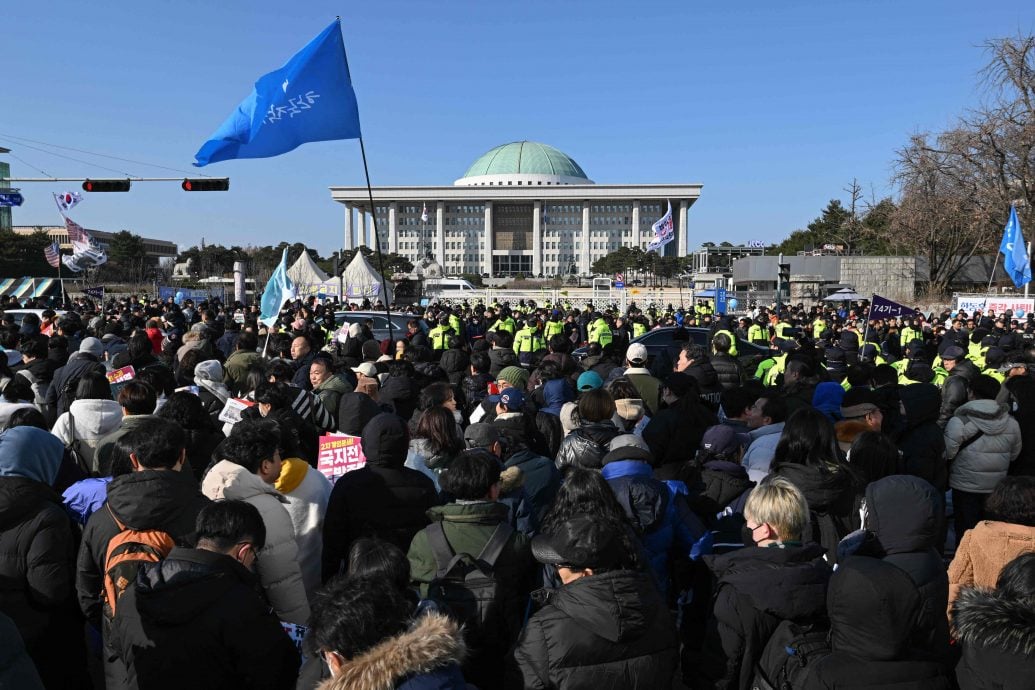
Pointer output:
663, 231
424, 214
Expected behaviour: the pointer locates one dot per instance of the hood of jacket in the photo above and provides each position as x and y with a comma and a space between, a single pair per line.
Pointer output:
921, 402
20, 497
94, 418
873, 607
386, 441
789, 583
618, 606
335, 384
904, 512
433, 642
823, 487
228, 480
181, 587
600, 433
152, 498
475, 513
827, 398
988, 415
292, 472
644, 500
26, 451
555, 394
989, 619
767, 430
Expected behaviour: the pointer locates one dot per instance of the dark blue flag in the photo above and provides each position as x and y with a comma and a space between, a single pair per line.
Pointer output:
884, 308
308, 99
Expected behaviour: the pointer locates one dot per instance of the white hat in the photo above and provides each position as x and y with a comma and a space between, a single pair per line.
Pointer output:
636, 353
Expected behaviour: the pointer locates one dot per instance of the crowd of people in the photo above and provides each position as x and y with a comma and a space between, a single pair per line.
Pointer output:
801, 497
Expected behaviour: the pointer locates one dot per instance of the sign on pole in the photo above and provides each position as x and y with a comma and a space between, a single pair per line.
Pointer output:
11, 198
619, 281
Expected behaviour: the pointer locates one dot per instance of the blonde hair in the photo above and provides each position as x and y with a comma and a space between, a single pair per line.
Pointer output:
780, 504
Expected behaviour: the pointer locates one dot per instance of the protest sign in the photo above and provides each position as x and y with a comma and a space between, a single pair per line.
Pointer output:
340, 453
118, 379
231, 413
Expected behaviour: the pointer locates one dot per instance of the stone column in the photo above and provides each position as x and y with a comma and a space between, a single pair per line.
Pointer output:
537, 239
440, 235
371, 240
637, 238
487, 259
683, 243
393, 229
348, 227
584, 254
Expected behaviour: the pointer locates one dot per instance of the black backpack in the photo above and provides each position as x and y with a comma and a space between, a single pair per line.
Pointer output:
466, 587
791, 656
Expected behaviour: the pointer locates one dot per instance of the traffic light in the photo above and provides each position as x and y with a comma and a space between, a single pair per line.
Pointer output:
784, 281
106, 185
206, 184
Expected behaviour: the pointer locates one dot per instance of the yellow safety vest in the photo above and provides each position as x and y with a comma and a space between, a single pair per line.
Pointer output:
600, 332
552, 328
733, 341
439, 337
639, 329
506, 324
757, 334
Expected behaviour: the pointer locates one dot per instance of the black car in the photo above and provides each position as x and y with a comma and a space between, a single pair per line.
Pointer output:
663, 348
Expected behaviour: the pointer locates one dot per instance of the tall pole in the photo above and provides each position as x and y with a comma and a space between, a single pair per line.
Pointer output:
377, 241
1029, 263
61, 281
991, 277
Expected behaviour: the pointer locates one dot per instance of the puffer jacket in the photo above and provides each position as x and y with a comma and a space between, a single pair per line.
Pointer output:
997, 635
720, 484
955, 389
235, 371
833, 502
78, 364
37, 567
871, 606
427, 656
307, 492
455, 364
706, 376
91, 420
611, 630
399, 393
17, 669
500, 358
757, 588
728, 371
384, 499
921, 440
983, 463
330, 392
586, 445
903, 525
659, 512
277, 564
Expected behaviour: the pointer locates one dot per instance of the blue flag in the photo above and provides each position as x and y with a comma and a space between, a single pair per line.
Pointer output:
308, 99
884, 308
279, 289
1015, 251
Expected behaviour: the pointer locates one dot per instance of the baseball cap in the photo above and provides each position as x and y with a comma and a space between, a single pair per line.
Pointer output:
953, 352
588, 381
481, 435
1012, 364
512, 399
367, 369
636, 353
581, 542
721, 439
92, 346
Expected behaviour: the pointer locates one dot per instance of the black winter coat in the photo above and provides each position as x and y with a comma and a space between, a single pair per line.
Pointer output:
455, 363
728, 371
832, 498
149, 499
586, 445
400, 393
354, 411
674, 434
384, 499
500, 358
37, 570
757, 588
706, 376
871, 606
955, 389
997, 635
611, 630
78, 364
196, 620
720, 483
921, 440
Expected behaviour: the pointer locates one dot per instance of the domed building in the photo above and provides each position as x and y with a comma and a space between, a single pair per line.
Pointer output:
522, 207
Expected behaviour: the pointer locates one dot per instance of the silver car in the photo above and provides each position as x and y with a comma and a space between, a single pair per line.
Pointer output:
380, 322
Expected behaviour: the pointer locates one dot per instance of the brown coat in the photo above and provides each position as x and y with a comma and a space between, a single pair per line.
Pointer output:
984, 552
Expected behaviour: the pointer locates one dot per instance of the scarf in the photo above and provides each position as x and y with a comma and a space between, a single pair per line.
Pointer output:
209, 375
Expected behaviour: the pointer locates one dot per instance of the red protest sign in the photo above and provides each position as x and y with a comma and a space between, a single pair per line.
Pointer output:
340, 454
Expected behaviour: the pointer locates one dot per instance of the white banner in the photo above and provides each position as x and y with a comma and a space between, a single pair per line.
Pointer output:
1020, 306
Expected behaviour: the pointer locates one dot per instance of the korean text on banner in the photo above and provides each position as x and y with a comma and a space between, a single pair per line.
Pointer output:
231, 413
340, 453
118, 379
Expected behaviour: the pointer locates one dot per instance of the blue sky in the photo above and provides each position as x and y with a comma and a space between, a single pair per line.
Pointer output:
773, 106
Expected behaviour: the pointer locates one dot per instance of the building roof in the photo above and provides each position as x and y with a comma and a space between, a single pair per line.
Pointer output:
525, 158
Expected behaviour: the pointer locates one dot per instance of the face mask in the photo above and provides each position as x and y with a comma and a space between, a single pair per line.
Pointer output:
746, 535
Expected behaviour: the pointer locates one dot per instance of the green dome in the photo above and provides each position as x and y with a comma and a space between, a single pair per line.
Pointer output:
525, 158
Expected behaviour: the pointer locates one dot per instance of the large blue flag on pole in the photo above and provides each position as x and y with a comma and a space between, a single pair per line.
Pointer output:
1015, 251
310, 98
279, 289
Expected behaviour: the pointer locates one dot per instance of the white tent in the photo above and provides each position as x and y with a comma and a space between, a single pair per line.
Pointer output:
306, 275
361, 280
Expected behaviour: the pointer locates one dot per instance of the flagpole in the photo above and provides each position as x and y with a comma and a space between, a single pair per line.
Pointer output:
988, 290
61, 280
377, 241
866, 331
1029, 263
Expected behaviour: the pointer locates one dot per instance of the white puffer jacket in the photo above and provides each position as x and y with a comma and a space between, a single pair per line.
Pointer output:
277, 563
92, 421
982, 464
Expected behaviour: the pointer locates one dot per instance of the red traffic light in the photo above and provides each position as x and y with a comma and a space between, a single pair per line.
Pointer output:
206, 184
106, 185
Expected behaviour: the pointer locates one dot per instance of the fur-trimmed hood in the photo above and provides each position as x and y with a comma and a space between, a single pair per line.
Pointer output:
434, 641
981, 617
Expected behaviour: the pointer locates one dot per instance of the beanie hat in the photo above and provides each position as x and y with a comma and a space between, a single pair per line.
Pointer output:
517, 377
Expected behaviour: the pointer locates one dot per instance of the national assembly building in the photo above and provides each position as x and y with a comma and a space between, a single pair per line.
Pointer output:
523, 207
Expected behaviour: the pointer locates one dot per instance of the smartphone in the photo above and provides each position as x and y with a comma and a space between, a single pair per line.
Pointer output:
493, 388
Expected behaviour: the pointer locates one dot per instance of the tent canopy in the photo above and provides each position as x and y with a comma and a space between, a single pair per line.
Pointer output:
305, 272
361, 280
844, 295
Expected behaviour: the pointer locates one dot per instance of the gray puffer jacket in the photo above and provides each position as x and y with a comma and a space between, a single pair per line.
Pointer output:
981, 464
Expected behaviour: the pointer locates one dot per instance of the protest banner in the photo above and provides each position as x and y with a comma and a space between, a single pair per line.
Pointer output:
118, 378
340, 453
232, 410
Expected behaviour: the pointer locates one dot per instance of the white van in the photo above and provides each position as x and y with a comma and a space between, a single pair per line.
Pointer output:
448, 286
